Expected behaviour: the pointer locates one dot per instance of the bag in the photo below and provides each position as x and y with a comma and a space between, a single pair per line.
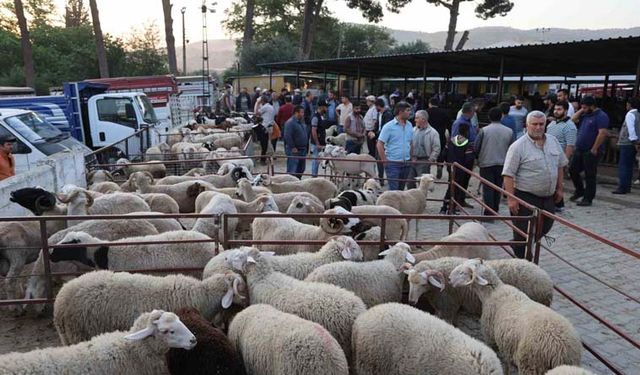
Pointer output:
275, 134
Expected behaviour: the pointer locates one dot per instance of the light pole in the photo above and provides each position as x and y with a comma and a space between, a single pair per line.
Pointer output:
184, 44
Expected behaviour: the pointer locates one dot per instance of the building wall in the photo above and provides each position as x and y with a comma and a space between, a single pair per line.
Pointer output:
51, 174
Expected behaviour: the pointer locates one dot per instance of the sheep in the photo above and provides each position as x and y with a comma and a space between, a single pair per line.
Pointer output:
156, 168
375, 282
321, 188
427, 277
338, 140
140, 350
259, 179
372, 234
108, 204
229, 164
213, 353
328, 305
398, 339
263, 203
159, 202
467, 232
357, 163
98, 176
227, 181
527, 333
184, 193
157, 152
133, 257
106, 187
161, 224
103, 301
569, 370
273, 342
20, 241
285, 228
184, 150
195, 172
211, 162
218, 205
409, 202
395, 229
232, 140
351, 198
283, 200
305, 205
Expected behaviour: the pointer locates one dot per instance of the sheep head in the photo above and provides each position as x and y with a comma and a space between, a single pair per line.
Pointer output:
426, 182
266, 203
472, 271
304, 204
338, 225
36, 200
139, 179
74, 194
195, 189
398, 254
346, 246
236, 290
166, 326
240, 172
99, 175
244, 258
420, 282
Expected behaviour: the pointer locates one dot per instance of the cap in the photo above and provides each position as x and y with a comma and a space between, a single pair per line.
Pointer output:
322, 103
7, 138
588, 101
371, 98
296, 90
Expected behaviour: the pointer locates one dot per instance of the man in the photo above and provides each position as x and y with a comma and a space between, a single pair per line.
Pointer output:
468, 111
257, 93
370, 124
297, 97
491, 147
592, 132
7, 161
394, 146
343, 111
285, 112
318, 135
519, 113
384, 117
459, 150
295, 142
426, 147
549, 101
332, 104
563, 96
308, 108
243, 101
507, 120
628, 146
354, 127
439, 120
565, 132
474, 119
267, 113
535, 165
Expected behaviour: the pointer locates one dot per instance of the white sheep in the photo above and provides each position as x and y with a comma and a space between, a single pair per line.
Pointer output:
306, 205
428, 278
104, 301
285, 228
218, 205
338, 140
320, 187
527, 333
375, 282
263, 203
259, 179
79, 202
357, 163
283, 200
184, 193
156, 168
105, 187
396, 339
139, 351
328, 305
409, 202
228, 180
157, 152
395, 229
372, 234
467, 232
272, 342
160, 202
99, 175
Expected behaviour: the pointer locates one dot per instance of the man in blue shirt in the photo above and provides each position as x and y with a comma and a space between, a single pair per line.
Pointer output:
468, 110
332, 104
295, 142
395, 146
508, 120
592, 132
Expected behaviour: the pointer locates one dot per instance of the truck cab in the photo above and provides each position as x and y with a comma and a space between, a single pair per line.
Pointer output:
35, 137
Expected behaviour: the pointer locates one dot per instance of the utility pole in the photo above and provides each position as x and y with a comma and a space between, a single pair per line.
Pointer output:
184, 44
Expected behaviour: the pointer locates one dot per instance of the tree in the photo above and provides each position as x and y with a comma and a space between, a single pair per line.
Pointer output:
27, 51
364, 40
171, 41
417, 46
144, 55
97, 31
485, 9
75, 14
38, 12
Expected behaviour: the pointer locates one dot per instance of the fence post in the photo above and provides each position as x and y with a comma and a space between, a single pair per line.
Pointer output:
126, 148
225, 229
452, 176
532, 234
383, 233
44, 243
539, 226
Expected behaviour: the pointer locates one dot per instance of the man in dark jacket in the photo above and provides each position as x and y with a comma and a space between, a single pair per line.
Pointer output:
243, 101
384, 116
439, 120
459, 150
295, 142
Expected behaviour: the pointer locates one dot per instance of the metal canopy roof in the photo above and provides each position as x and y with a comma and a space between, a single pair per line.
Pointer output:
589, 57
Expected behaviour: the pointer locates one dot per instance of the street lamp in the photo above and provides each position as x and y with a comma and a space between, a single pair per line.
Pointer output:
184, 44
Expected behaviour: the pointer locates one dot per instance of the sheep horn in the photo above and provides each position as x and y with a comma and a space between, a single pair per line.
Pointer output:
63, 198
336, 226
38, 206
109, 175
89, 199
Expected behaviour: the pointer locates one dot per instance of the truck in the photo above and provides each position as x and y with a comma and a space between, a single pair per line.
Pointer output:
97, 118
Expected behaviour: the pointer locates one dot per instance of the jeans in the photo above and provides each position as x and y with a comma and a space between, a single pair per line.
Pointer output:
587, 162
315, 150
295, 166
352, 147
396, 170
490, 196
274, 143
371, 145
263, 137
625, 167
545, 203
418, 170
462, 178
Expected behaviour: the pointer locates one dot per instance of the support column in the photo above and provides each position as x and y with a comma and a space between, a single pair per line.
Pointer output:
358, 83
501, 82
298, 80
238, 70
326, 90
605, 87
339, 86
270, 79
521, 85
636, 85
404, 89
424, 85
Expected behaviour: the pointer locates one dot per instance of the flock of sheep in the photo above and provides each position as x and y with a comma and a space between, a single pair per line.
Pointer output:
326, 307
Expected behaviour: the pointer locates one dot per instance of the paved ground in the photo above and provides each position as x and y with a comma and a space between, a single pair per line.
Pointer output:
611, 216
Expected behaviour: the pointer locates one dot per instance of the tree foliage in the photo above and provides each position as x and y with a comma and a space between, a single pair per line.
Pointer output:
75, 13
38, 13
417, 46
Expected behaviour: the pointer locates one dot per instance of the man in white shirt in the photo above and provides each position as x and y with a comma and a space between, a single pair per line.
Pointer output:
343, 111
628, 146
370, 119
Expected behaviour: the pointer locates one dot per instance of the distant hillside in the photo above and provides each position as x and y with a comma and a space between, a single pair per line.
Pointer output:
222, 51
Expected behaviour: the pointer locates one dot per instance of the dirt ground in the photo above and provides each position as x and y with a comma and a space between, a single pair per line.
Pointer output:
24, 333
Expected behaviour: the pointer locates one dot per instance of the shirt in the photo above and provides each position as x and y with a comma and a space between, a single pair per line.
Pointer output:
284, 113
535, 169
519, 116
510, 123
439, 120
630, 127
370, 118
472, 129
590, 124
345, 111
565, 132
492, 144
354, 127
426, 143
295, 134
268, 114
7, 165
318, 122
331, 110
397, 140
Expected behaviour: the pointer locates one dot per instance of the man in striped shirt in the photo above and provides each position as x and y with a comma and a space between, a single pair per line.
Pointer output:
566, 132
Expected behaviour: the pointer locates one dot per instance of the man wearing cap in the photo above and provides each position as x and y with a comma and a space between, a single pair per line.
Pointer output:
592, 132
370, 119
7, 162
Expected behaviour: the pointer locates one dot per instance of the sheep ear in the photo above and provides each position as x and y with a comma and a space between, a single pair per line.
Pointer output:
410, 258
435, 282
266, 254
407, 272
141, 334
227, 299
250, 259
424, 278
346, 253
383, 253
481, 280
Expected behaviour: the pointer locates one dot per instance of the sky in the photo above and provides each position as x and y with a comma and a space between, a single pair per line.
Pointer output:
119, 17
